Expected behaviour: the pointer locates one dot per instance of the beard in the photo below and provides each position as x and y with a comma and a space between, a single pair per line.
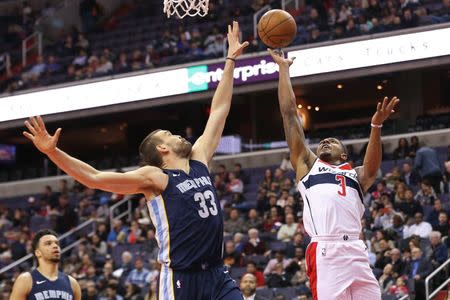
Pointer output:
325, 156
183, 149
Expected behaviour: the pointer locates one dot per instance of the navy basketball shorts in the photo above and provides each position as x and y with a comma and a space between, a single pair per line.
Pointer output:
211, 284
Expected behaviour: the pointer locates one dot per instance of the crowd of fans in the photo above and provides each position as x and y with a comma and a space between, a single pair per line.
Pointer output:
405, 228
74, 58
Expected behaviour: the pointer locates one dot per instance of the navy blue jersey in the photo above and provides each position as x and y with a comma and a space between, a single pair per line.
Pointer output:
188, 220
46, 289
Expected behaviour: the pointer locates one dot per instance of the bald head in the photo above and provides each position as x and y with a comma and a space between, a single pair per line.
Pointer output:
248, 285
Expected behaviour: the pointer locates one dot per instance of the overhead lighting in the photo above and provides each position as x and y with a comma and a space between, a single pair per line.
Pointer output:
339, 86
317, 108
379, 87
299, 106
309, 107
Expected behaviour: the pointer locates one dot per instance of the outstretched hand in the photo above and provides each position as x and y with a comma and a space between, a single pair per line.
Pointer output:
38, 134
278, 57
384, 110
235, 47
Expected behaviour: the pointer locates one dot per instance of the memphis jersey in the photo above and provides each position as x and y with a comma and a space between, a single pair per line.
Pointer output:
46, 289
188, 220
332, 200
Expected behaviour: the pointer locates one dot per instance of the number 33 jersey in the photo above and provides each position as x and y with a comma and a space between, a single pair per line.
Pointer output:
188, 220
332, 200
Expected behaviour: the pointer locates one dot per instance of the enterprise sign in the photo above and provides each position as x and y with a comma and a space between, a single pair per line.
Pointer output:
369, 53
352, 55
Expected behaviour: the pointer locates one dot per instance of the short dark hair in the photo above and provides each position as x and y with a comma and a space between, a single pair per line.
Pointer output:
147, 150
37, 238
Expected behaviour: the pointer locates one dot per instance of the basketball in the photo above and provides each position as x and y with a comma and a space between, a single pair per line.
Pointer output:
277, 28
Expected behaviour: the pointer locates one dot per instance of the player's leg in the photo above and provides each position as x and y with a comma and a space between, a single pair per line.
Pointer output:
364, 286
166, 284
225, 287
326, 270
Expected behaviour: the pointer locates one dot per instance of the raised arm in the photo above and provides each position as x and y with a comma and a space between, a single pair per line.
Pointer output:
302, 158
146, 180
206, 145
372, 160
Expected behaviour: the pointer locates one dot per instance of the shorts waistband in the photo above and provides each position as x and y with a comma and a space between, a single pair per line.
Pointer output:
335, 238
200, 267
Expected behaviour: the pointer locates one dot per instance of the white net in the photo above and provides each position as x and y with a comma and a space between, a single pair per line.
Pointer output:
183, 8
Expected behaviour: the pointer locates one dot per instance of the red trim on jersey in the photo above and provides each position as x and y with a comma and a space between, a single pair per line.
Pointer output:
346, 166
312, 268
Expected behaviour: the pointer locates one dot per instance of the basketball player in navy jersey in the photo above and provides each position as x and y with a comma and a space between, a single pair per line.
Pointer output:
332, 191
182, 201
46, 281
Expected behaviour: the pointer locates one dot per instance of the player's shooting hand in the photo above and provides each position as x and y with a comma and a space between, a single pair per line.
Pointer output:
278, 57
235, 47
384, 110
38, 134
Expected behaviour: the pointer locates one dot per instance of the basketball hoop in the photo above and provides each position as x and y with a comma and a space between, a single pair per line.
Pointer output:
183, 8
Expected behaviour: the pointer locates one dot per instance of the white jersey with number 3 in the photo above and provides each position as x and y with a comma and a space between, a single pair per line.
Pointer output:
332, 200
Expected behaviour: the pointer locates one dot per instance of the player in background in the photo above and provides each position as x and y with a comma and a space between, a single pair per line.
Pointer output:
46, 281
337, 261
181, 199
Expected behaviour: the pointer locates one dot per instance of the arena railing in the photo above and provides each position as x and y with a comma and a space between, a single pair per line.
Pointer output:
127, 213
429, 295
5, 63
31, 42
68, 234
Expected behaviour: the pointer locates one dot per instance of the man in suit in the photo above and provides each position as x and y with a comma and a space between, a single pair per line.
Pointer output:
248, 287
409, 176
418, 269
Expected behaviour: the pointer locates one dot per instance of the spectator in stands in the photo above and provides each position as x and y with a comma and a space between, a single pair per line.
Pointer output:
150, 244
66, 217
298, 241
409, 19
117, 233
234, 224
426, 195
399, 289
427, 164
99, 247
134, 234
222, 172
278, 259
439, 250
80, 60
402, 150
139, 275
248, 286
286, 164
52, 66
410, 207
122, 64
126, 265
272, 222
235, 185
420, 228
90, 292
106, 276
252, 269
152, 291
385, 217
414, 146
231, 257
443, 224
409, 176
239, 242
267, 180
395, 260
36, 70
111, 292
386, 280
82, 43
189, 135
446, 177
105, 66
254, 246
241, 174
433, 216
254, 220
287, 230
400, 189
398, 226
133, 292
418, 269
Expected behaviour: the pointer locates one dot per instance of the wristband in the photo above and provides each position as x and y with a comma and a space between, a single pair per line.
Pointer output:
375, 125
232, 59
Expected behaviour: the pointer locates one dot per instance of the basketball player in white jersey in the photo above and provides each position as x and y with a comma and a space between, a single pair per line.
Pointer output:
337, 261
